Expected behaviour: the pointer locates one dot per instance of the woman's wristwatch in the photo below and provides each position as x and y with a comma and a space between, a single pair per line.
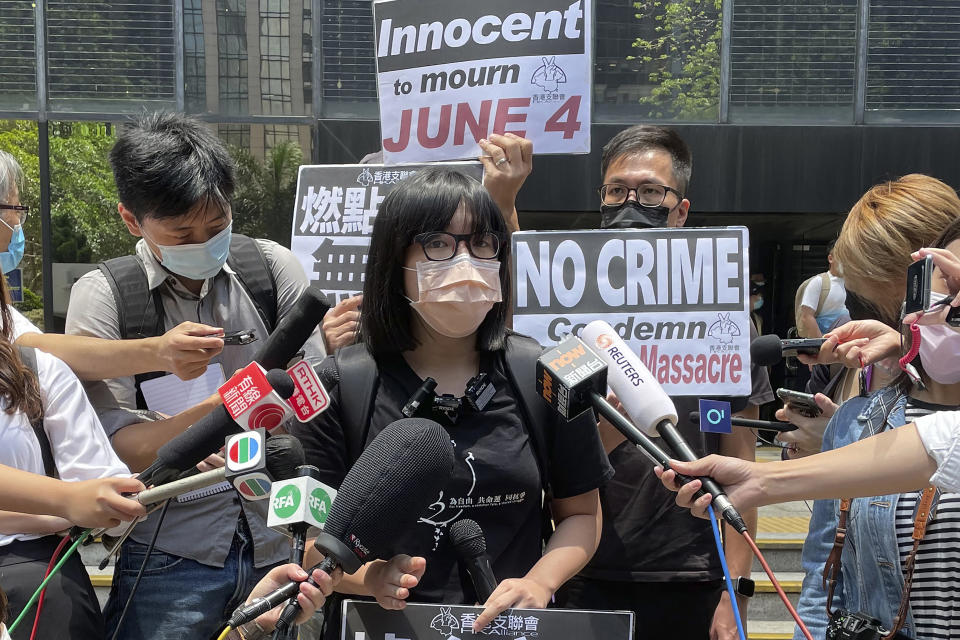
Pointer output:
744, 586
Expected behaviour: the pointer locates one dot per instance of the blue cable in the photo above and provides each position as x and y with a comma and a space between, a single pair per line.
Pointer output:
726, 571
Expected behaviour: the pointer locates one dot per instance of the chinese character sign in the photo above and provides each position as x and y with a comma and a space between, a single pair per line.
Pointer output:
450, 72
333, 218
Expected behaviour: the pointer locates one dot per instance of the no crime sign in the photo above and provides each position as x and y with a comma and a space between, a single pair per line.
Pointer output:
678, 297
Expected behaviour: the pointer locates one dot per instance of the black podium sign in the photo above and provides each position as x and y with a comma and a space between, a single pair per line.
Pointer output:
368, 621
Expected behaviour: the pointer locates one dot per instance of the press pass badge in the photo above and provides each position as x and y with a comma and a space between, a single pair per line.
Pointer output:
715, 416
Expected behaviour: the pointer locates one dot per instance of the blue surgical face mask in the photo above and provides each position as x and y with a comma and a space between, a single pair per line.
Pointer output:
197, 261
10, 259
758, 304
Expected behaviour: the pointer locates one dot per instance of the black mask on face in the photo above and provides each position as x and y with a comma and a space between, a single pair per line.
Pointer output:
633, 215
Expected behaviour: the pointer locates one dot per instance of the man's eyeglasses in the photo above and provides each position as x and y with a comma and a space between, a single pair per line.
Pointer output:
650, 195
440, 245
20, 209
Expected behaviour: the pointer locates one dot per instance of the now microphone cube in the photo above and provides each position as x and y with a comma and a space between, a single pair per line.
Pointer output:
567, 374
300, 500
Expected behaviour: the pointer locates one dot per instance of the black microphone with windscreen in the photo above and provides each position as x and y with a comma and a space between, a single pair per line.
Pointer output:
391, 484
293, 330
282, 454
467, 539
281, 382
770, 349
204, 437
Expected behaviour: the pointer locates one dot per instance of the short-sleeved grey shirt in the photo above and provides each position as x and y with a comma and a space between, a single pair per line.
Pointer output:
201, 530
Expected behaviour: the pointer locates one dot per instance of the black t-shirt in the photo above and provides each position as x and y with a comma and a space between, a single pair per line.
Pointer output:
496, 480
646, 536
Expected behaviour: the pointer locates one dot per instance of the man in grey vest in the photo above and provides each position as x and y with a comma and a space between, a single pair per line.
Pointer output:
175, 180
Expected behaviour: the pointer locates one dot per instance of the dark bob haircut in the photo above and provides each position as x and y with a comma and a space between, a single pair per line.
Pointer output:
644, 137
425, 202
166, 164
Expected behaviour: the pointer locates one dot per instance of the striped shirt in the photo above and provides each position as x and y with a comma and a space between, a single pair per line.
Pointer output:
935, 596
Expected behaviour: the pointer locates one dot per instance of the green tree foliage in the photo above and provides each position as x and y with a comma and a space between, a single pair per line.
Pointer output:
85, 224
83, 198
681, 58
266, 189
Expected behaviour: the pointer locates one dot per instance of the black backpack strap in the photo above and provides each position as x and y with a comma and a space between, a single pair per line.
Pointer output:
139, 310
254, 273
521, 357
522, 353
356, 398
29, 357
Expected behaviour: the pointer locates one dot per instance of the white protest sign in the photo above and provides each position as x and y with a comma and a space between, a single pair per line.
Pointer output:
333, 218
679, 297
450, 72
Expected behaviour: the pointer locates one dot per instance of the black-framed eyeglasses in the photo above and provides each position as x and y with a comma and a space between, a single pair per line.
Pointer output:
21, 209
650, 194
440, 245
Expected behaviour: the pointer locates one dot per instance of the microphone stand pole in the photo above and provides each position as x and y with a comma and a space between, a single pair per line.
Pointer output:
298, 544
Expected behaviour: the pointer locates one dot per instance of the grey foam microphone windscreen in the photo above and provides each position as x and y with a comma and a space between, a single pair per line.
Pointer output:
390, 486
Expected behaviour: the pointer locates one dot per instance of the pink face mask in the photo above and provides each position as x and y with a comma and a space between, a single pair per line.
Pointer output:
940, 352
456, 294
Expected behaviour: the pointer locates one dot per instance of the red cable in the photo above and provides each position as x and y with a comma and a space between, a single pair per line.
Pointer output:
53, 561
776, 585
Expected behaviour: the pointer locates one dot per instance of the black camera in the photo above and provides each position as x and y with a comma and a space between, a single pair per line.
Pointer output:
844, 625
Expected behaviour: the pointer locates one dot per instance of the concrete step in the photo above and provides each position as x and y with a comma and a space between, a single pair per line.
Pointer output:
779, 630
781, 554
766, 606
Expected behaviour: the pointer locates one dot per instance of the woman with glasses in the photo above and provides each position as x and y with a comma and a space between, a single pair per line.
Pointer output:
435, 300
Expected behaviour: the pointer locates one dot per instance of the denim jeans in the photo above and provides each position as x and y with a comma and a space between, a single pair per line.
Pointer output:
178, 597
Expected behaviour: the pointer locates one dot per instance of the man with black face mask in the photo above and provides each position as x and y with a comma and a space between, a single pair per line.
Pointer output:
645, 172
652, 559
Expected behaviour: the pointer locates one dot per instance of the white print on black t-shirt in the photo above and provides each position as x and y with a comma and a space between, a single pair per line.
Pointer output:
456, 505
440, 505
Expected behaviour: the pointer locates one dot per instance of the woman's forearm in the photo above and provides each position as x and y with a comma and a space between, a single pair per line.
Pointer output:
12, 523
571, 546
891, 462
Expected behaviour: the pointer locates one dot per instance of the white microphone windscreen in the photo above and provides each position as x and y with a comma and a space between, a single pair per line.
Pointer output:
641, 395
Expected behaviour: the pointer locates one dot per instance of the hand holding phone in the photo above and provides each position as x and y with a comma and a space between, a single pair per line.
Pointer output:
918, 285
802, 403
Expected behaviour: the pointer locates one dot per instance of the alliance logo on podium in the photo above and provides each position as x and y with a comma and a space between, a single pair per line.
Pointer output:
368, 621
